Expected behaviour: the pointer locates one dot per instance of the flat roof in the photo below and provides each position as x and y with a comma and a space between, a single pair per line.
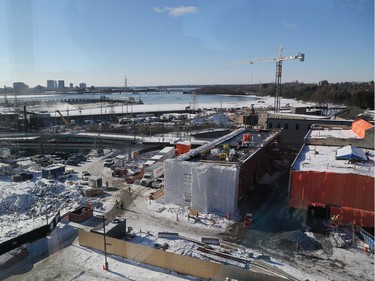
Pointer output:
157, 157
331, 132
235, 145
296, 116
322, 158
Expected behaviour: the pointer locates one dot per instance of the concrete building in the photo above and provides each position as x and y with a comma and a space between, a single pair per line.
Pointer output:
334, 173
51, 84
61, 84
82, 85
295, 126
20, 88
213, 177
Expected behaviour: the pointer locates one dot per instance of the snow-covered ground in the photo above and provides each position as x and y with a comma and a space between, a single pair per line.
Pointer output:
96, 108
24, 206
150, 217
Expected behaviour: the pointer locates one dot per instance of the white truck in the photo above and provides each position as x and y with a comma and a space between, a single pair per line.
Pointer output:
152, 172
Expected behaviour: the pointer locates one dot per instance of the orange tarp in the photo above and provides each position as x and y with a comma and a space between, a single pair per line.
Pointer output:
360, 126
351, 191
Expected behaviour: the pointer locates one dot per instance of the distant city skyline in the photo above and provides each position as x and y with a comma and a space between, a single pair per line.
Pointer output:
184, 43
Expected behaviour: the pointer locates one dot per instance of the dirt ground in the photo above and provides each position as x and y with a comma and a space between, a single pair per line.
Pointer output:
276, 231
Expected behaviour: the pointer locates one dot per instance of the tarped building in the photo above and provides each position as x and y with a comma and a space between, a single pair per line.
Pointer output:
213, 177
335, 177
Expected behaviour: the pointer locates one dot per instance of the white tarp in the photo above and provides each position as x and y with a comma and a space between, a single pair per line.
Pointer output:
177, 181
350, 152
206, 187
201, 187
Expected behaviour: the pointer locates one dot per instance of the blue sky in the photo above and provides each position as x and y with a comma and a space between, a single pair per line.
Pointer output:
155, 42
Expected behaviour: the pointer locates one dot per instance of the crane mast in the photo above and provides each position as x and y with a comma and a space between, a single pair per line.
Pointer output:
279, 60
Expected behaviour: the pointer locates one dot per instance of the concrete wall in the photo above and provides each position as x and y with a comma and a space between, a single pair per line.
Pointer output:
171, 261
295, 130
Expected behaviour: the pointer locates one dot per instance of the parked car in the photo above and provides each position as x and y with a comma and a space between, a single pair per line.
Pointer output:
85, 175
23, 176
158, 183
108, 163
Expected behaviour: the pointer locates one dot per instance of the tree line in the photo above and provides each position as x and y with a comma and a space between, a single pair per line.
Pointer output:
351, 94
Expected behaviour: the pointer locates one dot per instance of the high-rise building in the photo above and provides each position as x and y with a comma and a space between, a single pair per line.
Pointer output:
50, 84
82, 85
71, 85
20, 88
61, 84
55, 84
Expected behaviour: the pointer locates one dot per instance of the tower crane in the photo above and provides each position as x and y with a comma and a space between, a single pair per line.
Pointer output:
278, 60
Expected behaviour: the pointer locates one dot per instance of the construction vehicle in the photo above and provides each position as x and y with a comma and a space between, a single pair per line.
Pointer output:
278, 60
152, 172
137, 176
66, 122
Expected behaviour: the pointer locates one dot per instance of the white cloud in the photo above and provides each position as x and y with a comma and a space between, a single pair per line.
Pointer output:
289, 24
159, 10
177, 11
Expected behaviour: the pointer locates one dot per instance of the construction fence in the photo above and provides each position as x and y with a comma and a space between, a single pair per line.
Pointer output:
181, 264
30, 236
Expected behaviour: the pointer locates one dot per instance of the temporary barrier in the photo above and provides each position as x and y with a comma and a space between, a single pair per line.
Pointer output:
182, 264
30, 236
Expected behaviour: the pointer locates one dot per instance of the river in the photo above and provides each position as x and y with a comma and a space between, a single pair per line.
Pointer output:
152, 101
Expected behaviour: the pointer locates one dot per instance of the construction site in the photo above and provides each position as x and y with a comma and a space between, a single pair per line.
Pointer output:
119, 189
225, 202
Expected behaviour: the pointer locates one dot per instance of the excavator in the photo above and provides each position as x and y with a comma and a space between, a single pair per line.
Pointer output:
66, 123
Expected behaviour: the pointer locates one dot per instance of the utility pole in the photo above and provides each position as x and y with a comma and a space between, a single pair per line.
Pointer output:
105, 246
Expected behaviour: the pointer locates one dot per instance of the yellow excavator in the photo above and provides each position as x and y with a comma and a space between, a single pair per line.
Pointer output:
66, 123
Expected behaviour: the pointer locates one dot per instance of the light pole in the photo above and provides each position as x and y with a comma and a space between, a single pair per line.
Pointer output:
105, 246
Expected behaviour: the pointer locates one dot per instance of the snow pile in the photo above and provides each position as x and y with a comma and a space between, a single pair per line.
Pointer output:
179, 213
219, 118
27, 205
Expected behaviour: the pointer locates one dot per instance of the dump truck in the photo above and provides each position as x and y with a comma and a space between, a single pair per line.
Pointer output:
152, 172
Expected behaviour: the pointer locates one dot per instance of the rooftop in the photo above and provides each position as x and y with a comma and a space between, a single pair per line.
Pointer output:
296, 116
323, 132
359, 134
232, 148
323, 159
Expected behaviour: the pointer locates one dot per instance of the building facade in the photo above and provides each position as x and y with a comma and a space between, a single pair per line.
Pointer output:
330, 182
213, 177
61, 84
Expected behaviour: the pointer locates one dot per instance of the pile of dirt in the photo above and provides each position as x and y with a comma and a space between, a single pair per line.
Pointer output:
280, 242
287, 241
